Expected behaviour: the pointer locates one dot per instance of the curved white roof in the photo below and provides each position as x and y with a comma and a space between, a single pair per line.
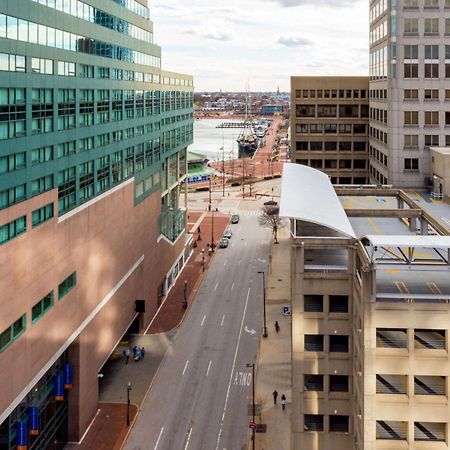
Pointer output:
307, 194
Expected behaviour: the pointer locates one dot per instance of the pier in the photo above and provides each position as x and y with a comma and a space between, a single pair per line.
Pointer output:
231, 125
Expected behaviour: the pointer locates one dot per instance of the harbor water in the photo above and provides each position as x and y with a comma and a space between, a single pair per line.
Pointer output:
209, 140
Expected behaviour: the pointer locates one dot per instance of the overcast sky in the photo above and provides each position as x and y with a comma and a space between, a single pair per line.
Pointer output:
225, 42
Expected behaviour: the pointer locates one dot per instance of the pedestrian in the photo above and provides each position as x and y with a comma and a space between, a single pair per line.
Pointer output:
137, 355
127, 353
199, 229
142, 352
275, 396
283, 401
135, 350
277, 327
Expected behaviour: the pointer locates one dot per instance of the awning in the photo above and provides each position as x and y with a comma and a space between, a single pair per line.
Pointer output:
308, 195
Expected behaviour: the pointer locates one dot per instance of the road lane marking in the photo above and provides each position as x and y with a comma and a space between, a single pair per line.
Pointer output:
185, 366
217, 284
159, 438
209, 367
188, 439
232, 286
223, 318
225, 263
232, 370
203, 321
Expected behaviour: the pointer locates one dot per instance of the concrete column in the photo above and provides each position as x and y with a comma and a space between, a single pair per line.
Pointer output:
400, 203
412, 224
423, 227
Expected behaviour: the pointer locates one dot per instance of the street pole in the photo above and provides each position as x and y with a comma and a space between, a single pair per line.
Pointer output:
128, 403
253, 403
212, 231
185, 293
265, 332
203, 259
209, 207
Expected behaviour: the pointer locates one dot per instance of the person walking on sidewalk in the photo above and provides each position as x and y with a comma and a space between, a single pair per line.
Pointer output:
277, 327
126, 353
275, 396
283, 401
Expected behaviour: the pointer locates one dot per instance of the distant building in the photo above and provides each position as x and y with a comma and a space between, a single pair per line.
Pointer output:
270, 110
409, 88
330, 126
93, 143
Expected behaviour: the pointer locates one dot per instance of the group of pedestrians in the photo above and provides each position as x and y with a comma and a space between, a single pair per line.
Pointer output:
138, 353
283, 399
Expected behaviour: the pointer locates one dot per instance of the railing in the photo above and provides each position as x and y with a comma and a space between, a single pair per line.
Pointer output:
171, 222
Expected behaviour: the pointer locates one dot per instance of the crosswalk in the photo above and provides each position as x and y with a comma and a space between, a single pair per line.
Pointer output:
255, 212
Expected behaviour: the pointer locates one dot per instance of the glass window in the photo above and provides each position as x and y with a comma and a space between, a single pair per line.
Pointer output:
67, 285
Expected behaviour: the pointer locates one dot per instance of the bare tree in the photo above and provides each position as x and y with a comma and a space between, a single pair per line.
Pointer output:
270, 219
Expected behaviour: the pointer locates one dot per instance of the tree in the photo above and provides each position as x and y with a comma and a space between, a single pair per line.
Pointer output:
270, 219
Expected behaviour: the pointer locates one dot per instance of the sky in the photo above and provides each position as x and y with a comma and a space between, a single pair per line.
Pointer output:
226, 44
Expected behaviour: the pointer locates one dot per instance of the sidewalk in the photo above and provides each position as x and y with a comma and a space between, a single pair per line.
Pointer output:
274, 359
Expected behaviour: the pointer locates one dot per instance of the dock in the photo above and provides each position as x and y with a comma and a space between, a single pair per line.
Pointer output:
231, 125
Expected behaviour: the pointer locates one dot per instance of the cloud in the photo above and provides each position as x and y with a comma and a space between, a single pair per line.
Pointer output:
292, 41
209, 33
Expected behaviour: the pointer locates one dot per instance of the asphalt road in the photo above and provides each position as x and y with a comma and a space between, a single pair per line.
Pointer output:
200, 395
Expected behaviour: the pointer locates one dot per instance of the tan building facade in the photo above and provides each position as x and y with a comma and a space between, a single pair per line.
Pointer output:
440, 173
329, 126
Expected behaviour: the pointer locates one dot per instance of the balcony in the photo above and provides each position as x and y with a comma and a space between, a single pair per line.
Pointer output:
171, 222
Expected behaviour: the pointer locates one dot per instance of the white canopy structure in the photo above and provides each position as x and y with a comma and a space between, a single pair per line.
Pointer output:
308, 195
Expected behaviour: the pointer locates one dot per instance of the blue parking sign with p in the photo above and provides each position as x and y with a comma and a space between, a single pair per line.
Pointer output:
286, 310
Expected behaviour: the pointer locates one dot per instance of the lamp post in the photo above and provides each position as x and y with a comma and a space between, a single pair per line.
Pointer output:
185, 293
265, 332
128, 402
212, 231
203, 259
252, 366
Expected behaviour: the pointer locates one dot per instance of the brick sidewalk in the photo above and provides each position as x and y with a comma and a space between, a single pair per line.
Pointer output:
172, 312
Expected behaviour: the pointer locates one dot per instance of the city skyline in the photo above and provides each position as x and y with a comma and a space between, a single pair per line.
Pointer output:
306, 39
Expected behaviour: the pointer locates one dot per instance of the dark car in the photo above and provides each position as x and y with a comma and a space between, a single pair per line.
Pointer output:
270, 203
235, 218
223, 243
227, 234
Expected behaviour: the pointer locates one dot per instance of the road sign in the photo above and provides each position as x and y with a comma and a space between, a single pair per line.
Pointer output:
252, 425
286, 310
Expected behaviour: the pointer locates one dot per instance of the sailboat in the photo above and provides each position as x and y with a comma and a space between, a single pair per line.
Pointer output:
247, 142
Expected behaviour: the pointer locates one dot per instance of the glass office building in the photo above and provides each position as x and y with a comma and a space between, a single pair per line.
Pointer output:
93, 142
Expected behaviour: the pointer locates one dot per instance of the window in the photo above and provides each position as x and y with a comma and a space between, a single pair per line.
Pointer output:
12, 112
431, 139
411, 140
326, 110
13, 229
41, 307
41, 215
12, 195
42, 184
314, 383
305, 110
42, 65
411, 70
339, 303
41, 155
339, 424
66, 189
447, 118
9, 163
411, 117
411, 26
313, 342
431, 94
411, 51
345, 128
431, 26
432, 52
86, 71
431, 117
8, 336
313, 303
42, 110
431, 3
316, 146
338, 383
66, 68
65, 149
313, 422
67, 285
338, 343
12, 63
350, 111
431, 70
411, 164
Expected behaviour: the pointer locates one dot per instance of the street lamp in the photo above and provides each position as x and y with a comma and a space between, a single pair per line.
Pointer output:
203, 259
265, 332
252, 366
128, 402
185, 293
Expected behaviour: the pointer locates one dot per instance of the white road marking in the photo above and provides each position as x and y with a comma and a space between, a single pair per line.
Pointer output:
223, 318
185, 366
203, 320
209, 367
232, 370
159, 438
217, 284
232, 286
188, 439
225, 263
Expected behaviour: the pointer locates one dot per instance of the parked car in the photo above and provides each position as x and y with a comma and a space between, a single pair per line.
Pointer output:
227, 234
223, 243
235, 218
270, 203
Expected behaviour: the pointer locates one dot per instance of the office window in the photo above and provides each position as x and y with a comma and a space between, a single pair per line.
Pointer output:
431, 51
411, 117
326, 110
313, 342
431, 94
8, 336
41, 215
305, 110
411, 51
431, 70
411, 26
339, 424
41, 184
431, 3
86, 71
11, 63
42, 66
411, 140
431, 26
42, 111
302, 128
431, 117
12, 195
447, 28
316, 128
410, 94
66, 68
411, 164
66, 189
411, 3
9, 163
316, 146
430, 431
350, 111
103, 72
313, 383
431, 140
12, 112
447, 118
41, 307
313, 303
13, 229
67, 285
313, 422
